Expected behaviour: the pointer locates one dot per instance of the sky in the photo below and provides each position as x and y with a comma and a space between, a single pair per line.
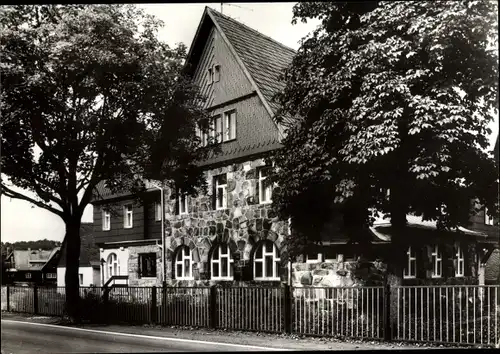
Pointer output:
21, 221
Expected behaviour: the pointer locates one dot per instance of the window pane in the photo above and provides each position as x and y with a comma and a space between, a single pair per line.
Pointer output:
215, 269
269, 266
179, 255
259, 251
223, 249
258, 269
222, 179
269, 246
179, 271
187, 269
232, 124
231, 269
224, 266
186, 251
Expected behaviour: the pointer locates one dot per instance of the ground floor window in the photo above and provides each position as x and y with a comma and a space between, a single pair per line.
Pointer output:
410, 270
266, 262
183, 264
222, 263
147, 265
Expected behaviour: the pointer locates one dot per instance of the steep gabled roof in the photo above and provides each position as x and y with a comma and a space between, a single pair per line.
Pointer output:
33, 259
261, 58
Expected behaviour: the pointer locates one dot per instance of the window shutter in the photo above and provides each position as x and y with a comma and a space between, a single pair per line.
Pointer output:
232, 123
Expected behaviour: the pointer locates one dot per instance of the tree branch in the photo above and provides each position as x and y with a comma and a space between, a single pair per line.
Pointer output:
12, 194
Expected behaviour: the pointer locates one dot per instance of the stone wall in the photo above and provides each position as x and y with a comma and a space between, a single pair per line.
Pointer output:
242, 225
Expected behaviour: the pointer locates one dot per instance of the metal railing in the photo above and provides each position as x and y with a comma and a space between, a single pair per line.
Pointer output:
250, 308
183, 306
340, 312
444, 314
463, 314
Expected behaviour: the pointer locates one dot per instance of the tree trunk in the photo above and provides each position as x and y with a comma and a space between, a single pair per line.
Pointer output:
72, 264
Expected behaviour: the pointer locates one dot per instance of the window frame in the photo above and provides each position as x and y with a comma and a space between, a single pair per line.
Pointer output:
182, 199
487, 219
276, 258
437, 262
216, 73
110, 263
158, 211
210, 76
460, 257
318, 259
269, 188
180, 250
140, 273
411, 258
230, 263
218, 134
125, 214
218, 186
229, 125
106, 214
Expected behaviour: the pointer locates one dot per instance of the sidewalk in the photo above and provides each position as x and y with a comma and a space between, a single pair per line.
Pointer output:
280, 341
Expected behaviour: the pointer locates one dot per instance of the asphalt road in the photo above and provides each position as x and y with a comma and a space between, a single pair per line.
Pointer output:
24, 337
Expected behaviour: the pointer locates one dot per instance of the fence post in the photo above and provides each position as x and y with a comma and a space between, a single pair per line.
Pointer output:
213, 307
35, 299
287, 308
8, 298
387, 312
153, 305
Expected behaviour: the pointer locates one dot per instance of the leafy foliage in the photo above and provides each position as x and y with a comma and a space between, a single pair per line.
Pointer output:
389, 95
89, 94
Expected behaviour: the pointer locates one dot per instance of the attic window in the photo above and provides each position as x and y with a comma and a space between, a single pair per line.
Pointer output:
210, 76
216, 73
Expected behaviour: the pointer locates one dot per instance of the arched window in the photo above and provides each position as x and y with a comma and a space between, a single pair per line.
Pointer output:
266, 262
221, 263
183, 264
113, 265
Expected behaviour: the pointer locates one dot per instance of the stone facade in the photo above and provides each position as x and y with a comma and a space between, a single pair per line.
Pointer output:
241, 225
133, 266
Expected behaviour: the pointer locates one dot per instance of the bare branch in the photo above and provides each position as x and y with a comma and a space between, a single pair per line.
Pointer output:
12, 194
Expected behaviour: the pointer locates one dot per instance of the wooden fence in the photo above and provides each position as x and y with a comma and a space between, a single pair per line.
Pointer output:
445, 314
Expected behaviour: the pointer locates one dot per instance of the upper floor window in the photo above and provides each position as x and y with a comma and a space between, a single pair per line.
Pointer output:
220, 185
28, 275
51, 276
216, 73
127, 216
80, 277
113, 265
221, 264
147, 265
106, 220
437, 262
460, 262
266, 262
410, 270
314, 258
183, 264
217, 128
158, 211
265, 187
230, 125
488, 220
182, 203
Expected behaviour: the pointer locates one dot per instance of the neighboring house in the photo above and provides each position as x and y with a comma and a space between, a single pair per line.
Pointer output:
29, 267
231, 233
89, 272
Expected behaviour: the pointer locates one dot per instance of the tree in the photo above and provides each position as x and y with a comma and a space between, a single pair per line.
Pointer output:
90, 94
389, 96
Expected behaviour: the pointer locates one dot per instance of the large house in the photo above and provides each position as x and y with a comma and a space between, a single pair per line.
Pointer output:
231, 234
30, 267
